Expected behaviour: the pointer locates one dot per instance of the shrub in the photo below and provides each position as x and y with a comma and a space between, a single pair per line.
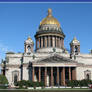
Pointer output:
28, 83
21, 84
3, 82
76, 83
3, 79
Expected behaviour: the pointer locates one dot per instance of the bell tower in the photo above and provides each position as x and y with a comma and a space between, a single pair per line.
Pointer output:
28, 45
75, 47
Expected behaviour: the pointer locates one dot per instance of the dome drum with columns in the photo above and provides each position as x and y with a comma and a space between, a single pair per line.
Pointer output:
49, 34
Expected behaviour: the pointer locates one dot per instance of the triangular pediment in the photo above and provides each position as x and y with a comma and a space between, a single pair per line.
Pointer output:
56, 59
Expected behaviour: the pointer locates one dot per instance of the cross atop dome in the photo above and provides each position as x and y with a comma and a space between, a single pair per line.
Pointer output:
49, 12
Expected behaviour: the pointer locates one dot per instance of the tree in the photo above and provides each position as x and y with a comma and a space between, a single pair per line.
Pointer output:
3, 80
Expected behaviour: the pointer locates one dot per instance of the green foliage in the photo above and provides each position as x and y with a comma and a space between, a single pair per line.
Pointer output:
24, 84
72, 83
84, 82
21, 84
3, 79
80, 83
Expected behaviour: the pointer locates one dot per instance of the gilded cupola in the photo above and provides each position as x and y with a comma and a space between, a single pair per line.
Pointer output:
50, 19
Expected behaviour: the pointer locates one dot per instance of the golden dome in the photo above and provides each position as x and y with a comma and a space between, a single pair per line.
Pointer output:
50, 19
29, 38
74, 41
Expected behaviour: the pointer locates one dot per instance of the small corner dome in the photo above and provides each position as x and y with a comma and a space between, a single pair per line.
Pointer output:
29, 40
75, 41
49, 19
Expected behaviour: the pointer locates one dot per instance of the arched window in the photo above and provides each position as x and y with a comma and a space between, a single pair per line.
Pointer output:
15, 76
76, 49
87, 74
29, 48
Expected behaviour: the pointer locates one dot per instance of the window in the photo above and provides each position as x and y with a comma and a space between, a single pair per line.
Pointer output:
87, 74
15, 76
29, 48
76, 49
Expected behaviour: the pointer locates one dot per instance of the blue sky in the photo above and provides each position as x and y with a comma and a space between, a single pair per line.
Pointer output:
19, 20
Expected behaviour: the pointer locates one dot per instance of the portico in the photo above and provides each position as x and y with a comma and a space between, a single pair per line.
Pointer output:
54, 76
54, 71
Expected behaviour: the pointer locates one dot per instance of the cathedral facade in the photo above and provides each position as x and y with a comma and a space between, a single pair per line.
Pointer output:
50, 63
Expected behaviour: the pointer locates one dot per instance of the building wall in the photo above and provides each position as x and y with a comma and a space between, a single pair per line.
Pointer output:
81, 72
9, 75
25, 73
15, 59
85, 59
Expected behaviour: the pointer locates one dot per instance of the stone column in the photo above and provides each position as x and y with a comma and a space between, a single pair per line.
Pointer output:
49, 44
74, 73
36, 43
39, 74
72, 48
57, 75
63, 76
45, 76
53, 41
63, 43
56, 41
45, 42
41, 42
52, 76
59, 43
79, 49
33, 73
69, 73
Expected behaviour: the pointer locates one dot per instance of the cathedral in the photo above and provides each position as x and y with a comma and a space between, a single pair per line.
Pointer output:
50, 62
